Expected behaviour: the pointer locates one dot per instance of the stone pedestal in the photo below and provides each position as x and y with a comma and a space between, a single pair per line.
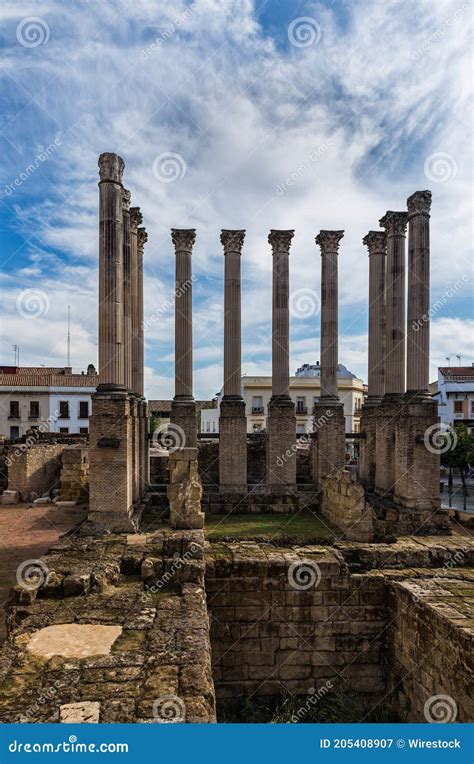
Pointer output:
135, 429
281, 446
327, 439
183, 416
144, 444
385, 426
185, 490
110, 473
232, 447
368, 447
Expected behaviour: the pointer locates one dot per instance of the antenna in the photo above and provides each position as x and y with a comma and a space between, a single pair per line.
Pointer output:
68, 335
17, 354
448, 360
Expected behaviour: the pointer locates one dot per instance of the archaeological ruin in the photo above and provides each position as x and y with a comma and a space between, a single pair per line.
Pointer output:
169, 603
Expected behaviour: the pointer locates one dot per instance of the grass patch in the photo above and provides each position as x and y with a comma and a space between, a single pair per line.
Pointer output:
300, 528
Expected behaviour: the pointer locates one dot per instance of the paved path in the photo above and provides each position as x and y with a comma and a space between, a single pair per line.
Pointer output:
25, 534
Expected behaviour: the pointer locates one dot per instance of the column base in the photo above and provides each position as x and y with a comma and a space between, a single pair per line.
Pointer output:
110, 454
232, 446
183, 415
185, 490
368, 445
144, 446
328, 441
385, 425
281, 445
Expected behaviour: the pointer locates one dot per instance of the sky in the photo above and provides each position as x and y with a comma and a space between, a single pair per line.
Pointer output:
230, 114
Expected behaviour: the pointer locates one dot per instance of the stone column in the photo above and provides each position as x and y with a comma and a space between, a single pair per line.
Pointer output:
183, 407
136, 220
418, 324
110, 483
376, 244
281, 444
328, 437
232, 419
395, 224
142, 238
127, 291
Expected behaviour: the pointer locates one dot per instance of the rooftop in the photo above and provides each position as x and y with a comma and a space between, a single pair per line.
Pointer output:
47, 376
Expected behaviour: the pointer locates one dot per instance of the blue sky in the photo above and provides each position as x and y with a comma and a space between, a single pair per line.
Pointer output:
303, 115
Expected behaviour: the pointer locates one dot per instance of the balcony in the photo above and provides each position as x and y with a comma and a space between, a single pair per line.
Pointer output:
257, 409
14, 416
301, 410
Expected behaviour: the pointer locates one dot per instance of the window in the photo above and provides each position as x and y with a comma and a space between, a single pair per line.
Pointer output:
14, 410
84, 430
458, 407
63, 410
213, 427
301, 405
64, 430
83, 409
34, 409
14, 432
472, 407
300, 429
257, 404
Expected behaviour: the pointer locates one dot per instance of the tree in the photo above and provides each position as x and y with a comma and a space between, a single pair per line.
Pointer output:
460, 455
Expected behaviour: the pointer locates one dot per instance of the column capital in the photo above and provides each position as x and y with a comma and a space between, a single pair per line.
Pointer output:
232, 241
142, 238
280, 240
126, 197
376, 242
329, 241
183, 239
136, 217
419, 203
395, 223
111, 167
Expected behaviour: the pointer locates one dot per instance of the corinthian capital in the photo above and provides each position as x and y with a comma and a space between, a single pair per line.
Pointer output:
136, 217
232, 241
419, 203
280, 240
329, 241
376, 242
111, 167
183, 239
126, 196
395, 223
142, 238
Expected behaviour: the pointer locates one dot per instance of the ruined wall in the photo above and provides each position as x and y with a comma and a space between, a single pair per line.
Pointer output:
75, 475
343, 503
36, 468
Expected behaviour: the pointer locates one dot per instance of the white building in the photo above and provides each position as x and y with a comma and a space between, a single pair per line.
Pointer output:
305, 387
455, 395
50, 398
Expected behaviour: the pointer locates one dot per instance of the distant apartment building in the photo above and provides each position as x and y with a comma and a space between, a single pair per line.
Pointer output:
305, 388
454, 392
53, 399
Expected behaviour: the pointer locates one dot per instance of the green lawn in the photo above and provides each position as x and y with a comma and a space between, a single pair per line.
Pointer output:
300, 528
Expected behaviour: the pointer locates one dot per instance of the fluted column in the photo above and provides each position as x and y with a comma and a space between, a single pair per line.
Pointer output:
127, 292
375, 241
136, 220
183, 410
142, 238
418, 322
329, 244
280, 242
111, 351
232, 419
395, 224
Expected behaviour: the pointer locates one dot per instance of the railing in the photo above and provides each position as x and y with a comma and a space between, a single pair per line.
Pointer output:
301, 409
257, 409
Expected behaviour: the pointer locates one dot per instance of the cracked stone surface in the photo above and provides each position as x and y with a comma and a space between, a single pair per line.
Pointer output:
73, 640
